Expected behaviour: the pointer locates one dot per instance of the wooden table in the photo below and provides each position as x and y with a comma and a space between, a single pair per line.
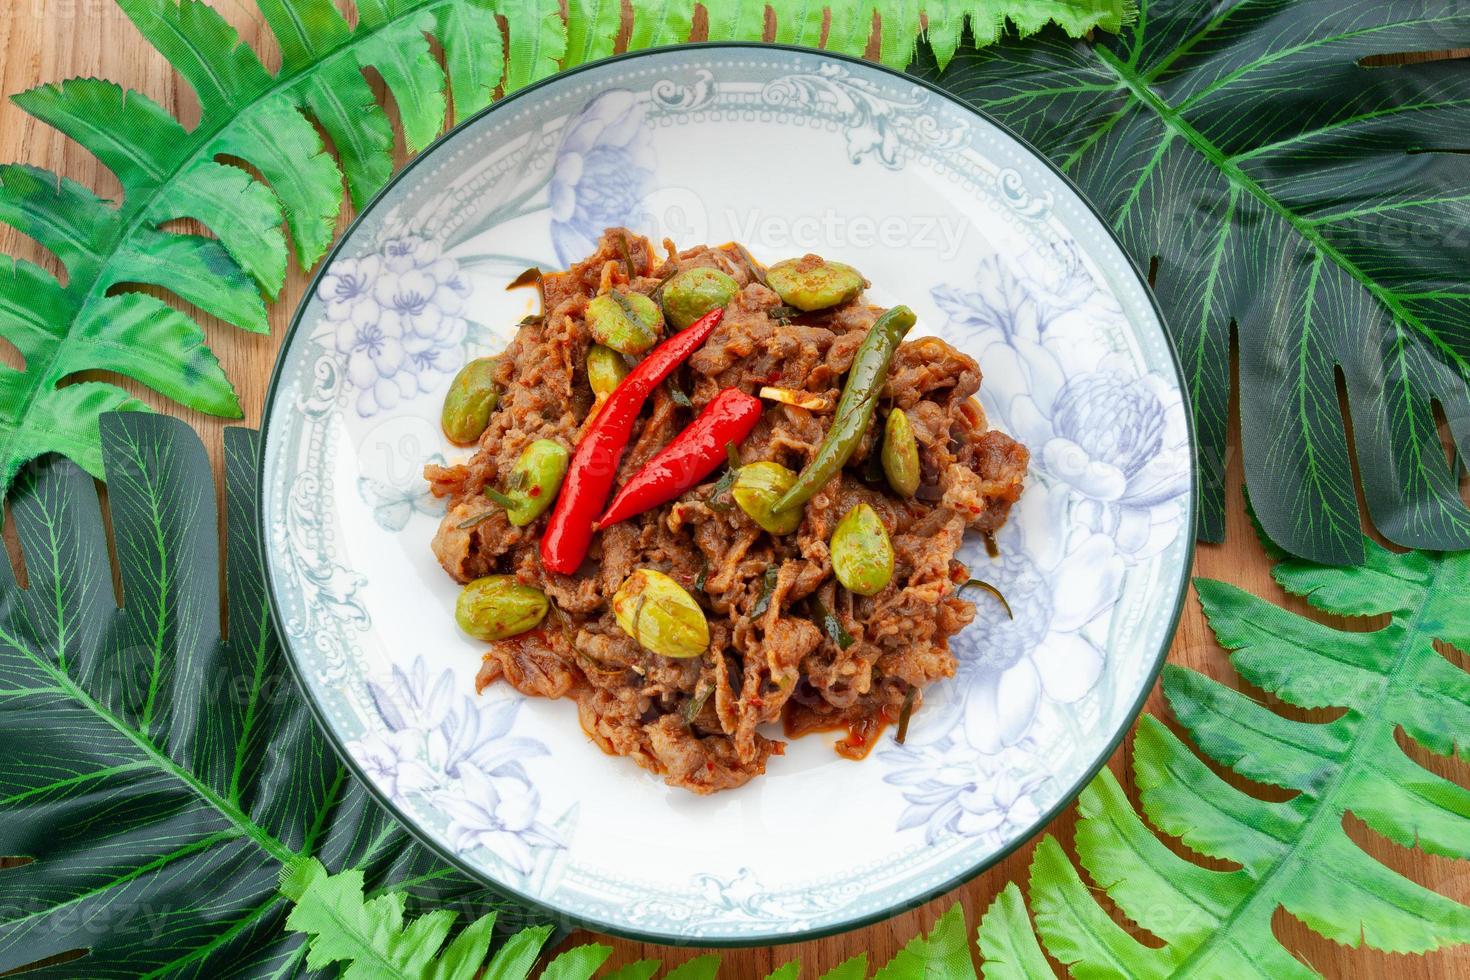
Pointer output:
49, 40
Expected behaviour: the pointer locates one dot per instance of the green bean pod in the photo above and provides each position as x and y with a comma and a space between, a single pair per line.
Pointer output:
812, 283
497, 606
606, 369
900, 454
656, 612
472, 396
757, 485
855, 408
691, 294
627, 322
862, 555
534, 482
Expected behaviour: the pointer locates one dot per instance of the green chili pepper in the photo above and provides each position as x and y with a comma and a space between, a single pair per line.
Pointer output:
855, 408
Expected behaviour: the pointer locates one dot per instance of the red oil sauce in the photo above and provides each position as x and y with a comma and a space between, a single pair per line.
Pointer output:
861, 736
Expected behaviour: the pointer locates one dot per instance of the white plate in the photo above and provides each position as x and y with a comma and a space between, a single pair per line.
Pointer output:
786, 151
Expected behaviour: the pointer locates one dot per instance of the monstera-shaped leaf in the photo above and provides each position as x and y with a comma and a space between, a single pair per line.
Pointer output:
1289, 191
156, 776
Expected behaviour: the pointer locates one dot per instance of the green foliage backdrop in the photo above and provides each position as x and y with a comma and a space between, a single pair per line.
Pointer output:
1244, 146
1290, 192
99, 319
157, 775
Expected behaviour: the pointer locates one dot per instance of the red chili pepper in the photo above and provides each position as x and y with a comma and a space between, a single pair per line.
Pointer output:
691, 456
595, 462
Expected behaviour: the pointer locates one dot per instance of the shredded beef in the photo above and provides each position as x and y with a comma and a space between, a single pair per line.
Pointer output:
698, 722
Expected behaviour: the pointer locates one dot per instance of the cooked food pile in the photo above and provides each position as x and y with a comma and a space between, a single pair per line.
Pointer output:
708, 496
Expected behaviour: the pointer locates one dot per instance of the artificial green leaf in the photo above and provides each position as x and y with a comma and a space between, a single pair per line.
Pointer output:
1314, 204
242, 213
157, 775
577, 963
944, 953
592, 30
787, 971
1007, 943
269, 123
705, 967
514, 960
464, 955
1294, 854
473, 58
167, 172
538, 40
659, 22
851, 969
800, 21
639, 970
372, 940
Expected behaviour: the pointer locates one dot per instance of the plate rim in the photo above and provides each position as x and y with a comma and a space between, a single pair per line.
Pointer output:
562, 917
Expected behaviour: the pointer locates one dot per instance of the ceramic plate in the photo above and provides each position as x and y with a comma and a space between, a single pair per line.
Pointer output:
786, 151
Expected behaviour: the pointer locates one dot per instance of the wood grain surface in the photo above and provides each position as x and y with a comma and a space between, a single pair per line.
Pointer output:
49, 40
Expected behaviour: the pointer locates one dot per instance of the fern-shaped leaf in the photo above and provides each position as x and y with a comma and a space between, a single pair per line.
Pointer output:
736, 20
577, 963
946, 20
638, 970
1078, 932
306, 30
800, 21
62, 421
851, 26
400, 52
248, 116
201, 46
659, 22
855, 968
130, 134
372, 941
1007, 943
944, 952
515, 959
147, 339
592, 30
67, 219
537, 40
340, 98
195, 268
1294, 854
474, 58
242, 212
706, 967
276, 139
463, 957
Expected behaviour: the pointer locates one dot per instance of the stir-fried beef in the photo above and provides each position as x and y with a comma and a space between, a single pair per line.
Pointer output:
792, 646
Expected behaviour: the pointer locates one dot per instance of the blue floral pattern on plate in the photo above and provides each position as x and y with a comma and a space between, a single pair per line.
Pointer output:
604, 167
1076, 365
396, 318
457, 753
